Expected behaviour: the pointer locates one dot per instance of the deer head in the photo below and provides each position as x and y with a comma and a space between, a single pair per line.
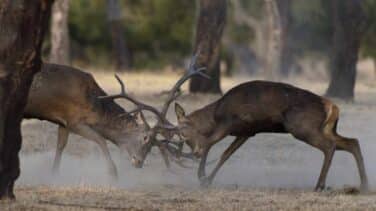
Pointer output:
189, 133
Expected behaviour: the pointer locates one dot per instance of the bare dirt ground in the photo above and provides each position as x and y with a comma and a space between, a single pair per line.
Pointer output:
270, 172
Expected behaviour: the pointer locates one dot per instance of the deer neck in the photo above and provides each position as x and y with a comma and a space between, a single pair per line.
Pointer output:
114, 126
203, 119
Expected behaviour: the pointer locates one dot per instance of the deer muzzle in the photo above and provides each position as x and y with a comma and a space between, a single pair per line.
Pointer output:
137, 163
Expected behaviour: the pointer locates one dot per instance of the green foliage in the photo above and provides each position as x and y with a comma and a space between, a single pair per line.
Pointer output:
160, 32
153, 29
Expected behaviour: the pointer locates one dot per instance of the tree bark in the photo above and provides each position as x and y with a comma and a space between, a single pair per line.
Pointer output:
120, 50
59, 33
23, 23
348, 22
210, 24
286, 59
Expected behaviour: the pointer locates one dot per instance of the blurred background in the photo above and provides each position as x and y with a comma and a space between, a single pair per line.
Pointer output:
328, 47
270, 39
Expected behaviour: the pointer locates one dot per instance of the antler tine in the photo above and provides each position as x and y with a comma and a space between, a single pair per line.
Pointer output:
140, 105
189, 74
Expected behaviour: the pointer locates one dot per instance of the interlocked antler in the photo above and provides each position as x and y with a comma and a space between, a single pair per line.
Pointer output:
163, 124
173, 94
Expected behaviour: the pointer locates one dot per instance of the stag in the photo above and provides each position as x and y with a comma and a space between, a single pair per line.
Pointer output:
259, 107
70, 98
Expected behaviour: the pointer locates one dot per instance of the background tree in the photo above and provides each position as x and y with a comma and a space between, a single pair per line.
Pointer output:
349, 23
120, 49
22, 28
286, 59
210, 25
60, 45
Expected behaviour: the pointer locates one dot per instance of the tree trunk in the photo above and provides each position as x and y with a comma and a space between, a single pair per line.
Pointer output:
23, 23
286, 60
273, 34
210, 24
120, 49
348, 22
60, 48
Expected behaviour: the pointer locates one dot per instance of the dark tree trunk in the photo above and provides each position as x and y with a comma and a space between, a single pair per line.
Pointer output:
23, 23
348, 22
59, 33
210, 25
286, 59
120, 50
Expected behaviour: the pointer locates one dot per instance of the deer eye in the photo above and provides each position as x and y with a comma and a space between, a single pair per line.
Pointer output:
145, 138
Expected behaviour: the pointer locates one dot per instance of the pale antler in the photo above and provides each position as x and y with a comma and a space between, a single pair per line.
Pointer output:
139, 105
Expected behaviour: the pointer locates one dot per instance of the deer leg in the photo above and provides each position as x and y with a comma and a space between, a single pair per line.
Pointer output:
164, 154
89, 133
201, 169
239, 141
352, 146
327, 146
62, 139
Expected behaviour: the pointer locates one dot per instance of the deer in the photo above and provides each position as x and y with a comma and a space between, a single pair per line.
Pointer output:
82, 107
70, 98
266, 107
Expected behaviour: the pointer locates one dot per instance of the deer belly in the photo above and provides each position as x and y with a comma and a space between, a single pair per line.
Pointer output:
254, 127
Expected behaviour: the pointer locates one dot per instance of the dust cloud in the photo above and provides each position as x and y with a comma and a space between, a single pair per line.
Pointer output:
265, 161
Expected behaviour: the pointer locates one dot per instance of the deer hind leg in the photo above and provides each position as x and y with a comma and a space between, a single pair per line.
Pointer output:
346, 144
89, 133
62, 139
311, 133
239, 141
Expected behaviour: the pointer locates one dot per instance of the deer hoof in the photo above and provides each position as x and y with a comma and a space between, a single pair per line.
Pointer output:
205, 182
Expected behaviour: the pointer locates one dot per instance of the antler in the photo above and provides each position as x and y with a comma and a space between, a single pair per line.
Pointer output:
173, 94
162, 122
140, 106
189, 74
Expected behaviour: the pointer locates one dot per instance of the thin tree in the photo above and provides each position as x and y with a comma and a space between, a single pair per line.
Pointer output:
23, 24
59, 33
286, 59
209, 28
120, 49
348, 20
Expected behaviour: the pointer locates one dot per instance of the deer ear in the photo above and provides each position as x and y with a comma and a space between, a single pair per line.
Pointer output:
180, 113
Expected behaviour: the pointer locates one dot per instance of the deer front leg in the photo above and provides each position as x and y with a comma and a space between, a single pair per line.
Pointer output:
89, 133
62, 139
201, 169
226, 154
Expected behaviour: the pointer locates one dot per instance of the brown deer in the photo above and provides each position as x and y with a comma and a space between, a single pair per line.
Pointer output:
70, 98
262, 106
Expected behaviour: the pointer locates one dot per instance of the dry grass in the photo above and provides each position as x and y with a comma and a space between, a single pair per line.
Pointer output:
248, 181
179, 198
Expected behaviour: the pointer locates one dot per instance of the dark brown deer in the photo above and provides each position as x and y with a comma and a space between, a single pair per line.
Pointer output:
261, 106
70, 98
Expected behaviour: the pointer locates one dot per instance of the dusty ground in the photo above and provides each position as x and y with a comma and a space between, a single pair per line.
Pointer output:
268, 172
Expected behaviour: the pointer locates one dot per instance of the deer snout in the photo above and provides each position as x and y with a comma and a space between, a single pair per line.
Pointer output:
137, 163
